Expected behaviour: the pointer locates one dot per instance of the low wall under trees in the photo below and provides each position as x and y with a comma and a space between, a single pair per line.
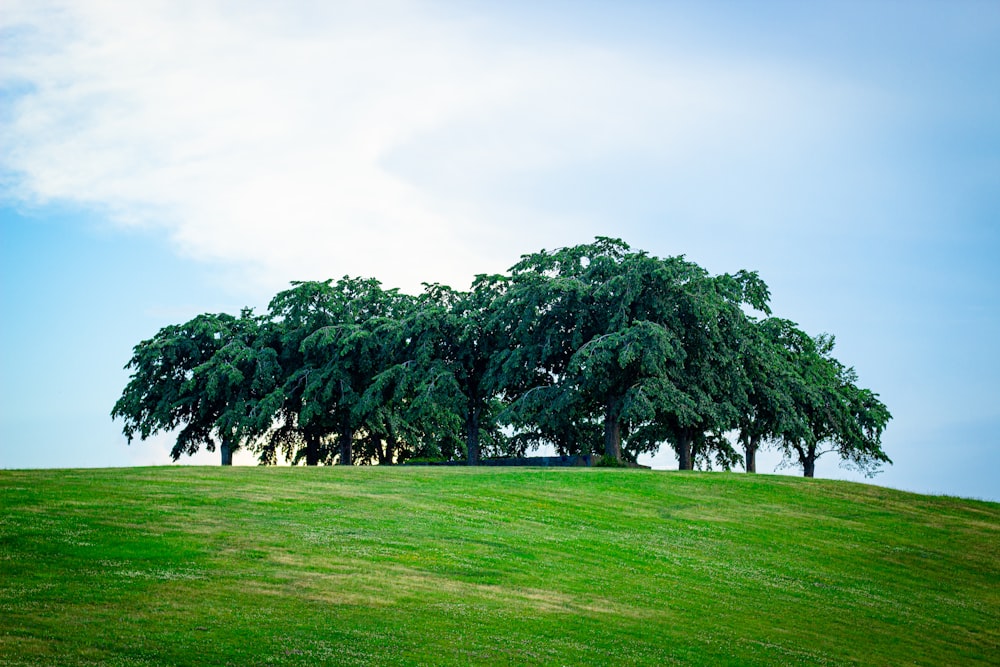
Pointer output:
582, 460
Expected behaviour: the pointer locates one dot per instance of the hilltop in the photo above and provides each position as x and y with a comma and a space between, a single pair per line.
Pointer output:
384, 565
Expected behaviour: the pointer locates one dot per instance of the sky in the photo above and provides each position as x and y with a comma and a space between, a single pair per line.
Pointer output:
163, 159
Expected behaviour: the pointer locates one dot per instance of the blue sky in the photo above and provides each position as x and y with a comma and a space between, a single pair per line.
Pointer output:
158, 160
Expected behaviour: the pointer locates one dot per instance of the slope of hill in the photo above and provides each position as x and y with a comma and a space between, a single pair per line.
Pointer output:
245, 566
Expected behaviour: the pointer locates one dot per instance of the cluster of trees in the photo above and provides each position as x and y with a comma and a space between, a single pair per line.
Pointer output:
593, 349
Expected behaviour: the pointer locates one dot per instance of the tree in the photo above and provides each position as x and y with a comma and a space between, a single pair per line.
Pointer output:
342, 359
769, 357
201, 377
712, 327
577, 354
833, 414
454, 365
392, 424
646, 345
280, 425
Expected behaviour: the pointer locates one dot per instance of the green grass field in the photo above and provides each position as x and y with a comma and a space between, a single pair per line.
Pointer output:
362, 566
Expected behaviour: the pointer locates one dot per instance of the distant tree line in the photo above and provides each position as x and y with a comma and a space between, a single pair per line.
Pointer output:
592, 349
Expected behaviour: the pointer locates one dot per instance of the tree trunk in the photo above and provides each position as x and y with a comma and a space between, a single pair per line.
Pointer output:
750, 455
384, 449
346, 447
227, 453
612, 433
472, 437
390, 449
685, 460
807, 457
312, 450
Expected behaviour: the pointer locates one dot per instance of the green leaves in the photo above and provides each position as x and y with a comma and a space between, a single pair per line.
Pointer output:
642, 340
581, 347
192, 376
819, 408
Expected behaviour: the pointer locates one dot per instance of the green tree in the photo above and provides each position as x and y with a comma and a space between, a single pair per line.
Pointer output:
646, 345
202, 377
393, 426
770, 352
574, 353
833, 414
454, 369
279, 420
712, 327
341, 361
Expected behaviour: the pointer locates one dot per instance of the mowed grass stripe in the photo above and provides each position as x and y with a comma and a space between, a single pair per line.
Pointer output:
302, 566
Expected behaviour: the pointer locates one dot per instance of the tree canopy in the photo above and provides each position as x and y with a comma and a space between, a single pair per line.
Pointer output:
593, 349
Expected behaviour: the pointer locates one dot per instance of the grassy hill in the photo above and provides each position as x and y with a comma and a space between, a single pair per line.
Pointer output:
362, 566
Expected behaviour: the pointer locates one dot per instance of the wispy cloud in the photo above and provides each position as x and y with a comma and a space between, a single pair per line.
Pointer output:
307, 140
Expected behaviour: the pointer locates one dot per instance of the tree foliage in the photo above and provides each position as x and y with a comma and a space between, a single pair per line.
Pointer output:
204, 379
647, 347
595, 348
832, 414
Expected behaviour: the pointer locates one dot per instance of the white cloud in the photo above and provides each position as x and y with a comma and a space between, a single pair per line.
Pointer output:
311, 140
